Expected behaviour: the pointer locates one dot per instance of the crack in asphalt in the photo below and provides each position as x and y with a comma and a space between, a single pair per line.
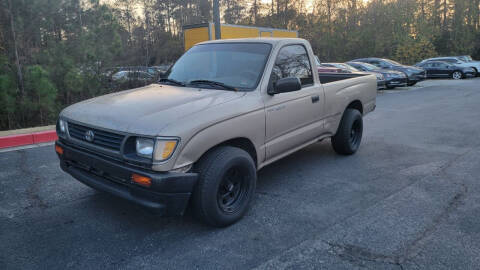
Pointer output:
356, 254
32, 191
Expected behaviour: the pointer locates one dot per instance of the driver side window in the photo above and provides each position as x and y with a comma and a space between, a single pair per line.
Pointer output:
292, 61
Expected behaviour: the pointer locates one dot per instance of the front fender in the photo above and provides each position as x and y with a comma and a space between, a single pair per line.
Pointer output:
250, 126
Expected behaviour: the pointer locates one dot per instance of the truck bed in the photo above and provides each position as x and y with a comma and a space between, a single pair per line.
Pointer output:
333, 77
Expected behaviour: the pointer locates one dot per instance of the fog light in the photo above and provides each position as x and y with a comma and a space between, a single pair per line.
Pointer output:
59, 149
142, 180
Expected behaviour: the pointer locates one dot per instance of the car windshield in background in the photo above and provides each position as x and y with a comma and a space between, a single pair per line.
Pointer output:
348, 67
238, 65
370, 66
393, 62
466, 58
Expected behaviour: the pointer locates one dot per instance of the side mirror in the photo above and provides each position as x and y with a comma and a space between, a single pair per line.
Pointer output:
285, 85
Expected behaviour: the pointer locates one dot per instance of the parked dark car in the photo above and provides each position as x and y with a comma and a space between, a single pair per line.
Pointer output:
393, 78
458, 61
414, 74
128, 79
441, 69
345, 68
326, 69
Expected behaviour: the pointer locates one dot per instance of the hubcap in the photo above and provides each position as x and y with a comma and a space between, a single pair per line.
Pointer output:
232, 190
356, 133
457, 75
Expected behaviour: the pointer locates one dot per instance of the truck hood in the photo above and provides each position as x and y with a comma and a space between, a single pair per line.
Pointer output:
146, 110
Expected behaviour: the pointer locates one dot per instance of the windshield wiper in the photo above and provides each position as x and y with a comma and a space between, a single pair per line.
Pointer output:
171, 81
225, 86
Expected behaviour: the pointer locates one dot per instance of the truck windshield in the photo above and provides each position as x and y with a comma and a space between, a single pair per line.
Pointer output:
238, 65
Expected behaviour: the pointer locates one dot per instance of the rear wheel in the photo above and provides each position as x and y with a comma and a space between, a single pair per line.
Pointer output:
226, 185
349, 134
457, 75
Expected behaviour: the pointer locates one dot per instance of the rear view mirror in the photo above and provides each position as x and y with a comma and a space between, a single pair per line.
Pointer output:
285, 85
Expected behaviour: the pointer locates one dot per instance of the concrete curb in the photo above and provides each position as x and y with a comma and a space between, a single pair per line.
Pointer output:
29, 138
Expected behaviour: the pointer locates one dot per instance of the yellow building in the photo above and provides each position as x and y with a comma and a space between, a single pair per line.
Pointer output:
195, 33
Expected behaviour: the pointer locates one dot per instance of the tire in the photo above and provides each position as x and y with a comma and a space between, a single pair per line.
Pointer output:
457, 75
390, 87
349, 133
225, 187
411, 83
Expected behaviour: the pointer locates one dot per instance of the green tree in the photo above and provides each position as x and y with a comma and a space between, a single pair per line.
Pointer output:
40, 95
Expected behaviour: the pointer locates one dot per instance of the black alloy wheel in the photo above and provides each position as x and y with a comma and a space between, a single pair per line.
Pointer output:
232, 190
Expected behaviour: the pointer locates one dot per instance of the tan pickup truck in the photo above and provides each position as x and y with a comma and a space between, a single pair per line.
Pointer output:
226, 109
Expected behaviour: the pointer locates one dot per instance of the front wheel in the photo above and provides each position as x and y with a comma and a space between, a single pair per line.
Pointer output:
349, 134
457, 75
225, 187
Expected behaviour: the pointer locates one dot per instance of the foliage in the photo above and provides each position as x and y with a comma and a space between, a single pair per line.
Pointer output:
62, 48
40, 94
414, 51
8, 92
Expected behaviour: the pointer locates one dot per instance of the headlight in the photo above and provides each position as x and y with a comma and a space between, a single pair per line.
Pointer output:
379, 76
62, 126
164, 149
144, 147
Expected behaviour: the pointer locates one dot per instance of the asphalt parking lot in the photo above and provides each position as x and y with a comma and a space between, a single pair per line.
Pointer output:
409, 199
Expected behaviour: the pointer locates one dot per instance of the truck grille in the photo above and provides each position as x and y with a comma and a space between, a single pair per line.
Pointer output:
101, 138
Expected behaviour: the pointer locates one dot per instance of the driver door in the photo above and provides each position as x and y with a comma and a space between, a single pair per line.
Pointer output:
293, 118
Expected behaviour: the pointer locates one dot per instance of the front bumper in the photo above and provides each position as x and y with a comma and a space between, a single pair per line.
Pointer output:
396, 82
381, 84
418, 77
168, 194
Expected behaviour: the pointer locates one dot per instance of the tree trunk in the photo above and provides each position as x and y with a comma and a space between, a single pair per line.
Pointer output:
445, 9
255, 11
14, 40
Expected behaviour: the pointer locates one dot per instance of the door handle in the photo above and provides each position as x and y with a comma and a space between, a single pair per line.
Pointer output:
315, 99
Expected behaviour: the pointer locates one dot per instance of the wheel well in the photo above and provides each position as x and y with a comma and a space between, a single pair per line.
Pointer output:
357, 105
242, 143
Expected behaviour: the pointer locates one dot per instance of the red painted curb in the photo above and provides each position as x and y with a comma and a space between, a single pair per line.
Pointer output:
26, 139
44, 136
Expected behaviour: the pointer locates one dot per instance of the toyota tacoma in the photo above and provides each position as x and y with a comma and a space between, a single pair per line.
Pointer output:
223, 111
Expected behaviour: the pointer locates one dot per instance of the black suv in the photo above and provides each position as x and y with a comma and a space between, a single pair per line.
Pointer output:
414, 74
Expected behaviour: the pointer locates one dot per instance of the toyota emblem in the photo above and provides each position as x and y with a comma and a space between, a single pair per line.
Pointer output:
89, 136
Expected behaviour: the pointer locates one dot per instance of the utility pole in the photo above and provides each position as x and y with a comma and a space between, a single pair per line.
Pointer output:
216, 19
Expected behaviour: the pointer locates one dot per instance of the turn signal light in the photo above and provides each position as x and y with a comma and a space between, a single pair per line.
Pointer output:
59, 149
142, 180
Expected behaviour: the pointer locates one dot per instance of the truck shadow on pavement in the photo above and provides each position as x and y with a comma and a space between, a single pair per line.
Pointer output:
270, 179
